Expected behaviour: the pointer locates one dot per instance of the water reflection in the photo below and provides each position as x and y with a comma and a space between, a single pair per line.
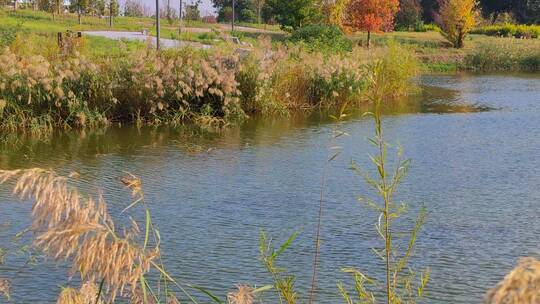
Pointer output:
211, 191
19, 150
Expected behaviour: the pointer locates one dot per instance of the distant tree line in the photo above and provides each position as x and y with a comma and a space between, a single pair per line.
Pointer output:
294, 13
103, 8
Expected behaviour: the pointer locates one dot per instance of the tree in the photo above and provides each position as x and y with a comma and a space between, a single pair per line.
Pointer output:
292, 14
409, 14
167, 11
430, 9
80, 7
337, 14
456, 19
493, 8
133, 8
113, 10
527, 11
371, 15
244, 10
258, 5
51, 6
192, 11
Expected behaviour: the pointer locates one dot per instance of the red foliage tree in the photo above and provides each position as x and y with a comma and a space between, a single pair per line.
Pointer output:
371, 15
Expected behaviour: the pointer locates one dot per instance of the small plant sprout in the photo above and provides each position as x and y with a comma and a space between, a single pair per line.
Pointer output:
283, 282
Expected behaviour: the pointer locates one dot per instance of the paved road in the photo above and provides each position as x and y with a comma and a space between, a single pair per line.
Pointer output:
164, 42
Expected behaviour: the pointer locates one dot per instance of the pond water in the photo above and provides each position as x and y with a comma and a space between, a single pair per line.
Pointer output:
476, 171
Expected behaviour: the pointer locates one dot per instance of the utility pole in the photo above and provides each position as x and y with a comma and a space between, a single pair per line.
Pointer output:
157, 25
110, 12
232, 21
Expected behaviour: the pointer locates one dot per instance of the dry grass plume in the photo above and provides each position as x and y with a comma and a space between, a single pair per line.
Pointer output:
520, 286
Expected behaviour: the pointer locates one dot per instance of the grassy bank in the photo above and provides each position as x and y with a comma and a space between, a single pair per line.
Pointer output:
437, 56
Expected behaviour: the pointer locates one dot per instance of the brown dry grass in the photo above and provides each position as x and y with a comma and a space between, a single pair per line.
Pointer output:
520, 286
242, 295
5, 288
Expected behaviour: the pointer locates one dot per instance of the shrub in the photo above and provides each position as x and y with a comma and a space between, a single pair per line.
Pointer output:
322, 37
510, 30
396, 67
456, 19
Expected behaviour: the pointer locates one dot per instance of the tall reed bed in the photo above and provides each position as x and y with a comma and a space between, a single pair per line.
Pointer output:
505, 55
293, 78
67, 90
36, 93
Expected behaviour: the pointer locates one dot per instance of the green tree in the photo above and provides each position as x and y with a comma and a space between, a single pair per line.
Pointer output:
493, 8
244, 10
429, 10
292, 14
527, 11
409, 14
192, 11
80, 7
133, 8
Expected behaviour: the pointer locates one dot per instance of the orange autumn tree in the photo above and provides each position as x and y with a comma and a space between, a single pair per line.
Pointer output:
371, 15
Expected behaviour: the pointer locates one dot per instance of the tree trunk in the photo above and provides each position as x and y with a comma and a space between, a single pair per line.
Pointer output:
15, 5
79, 11
180, 18
368, 39
232, 20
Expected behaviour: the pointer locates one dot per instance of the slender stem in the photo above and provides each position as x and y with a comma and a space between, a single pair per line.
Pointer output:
318, 234
384, 190
100, 290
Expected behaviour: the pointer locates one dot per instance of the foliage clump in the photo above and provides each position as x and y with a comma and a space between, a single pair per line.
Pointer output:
372, 15
323, 37
456, 19
510, 30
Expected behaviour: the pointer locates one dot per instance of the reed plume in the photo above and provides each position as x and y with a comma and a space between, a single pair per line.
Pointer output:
5, 288
242, 295
78, 229
521, 285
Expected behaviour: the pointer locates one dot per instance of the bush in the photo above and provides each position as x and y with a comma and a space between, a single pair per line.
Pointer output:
510, 30
322, 37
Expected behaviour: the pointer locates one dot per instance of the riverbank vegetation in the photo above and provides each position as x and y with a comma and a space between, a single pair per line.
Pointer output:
45, 87
98, 81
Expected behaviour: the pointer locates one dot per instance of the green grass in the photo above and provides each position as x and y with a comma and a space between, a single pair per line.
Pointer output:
43, 23
438, 56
